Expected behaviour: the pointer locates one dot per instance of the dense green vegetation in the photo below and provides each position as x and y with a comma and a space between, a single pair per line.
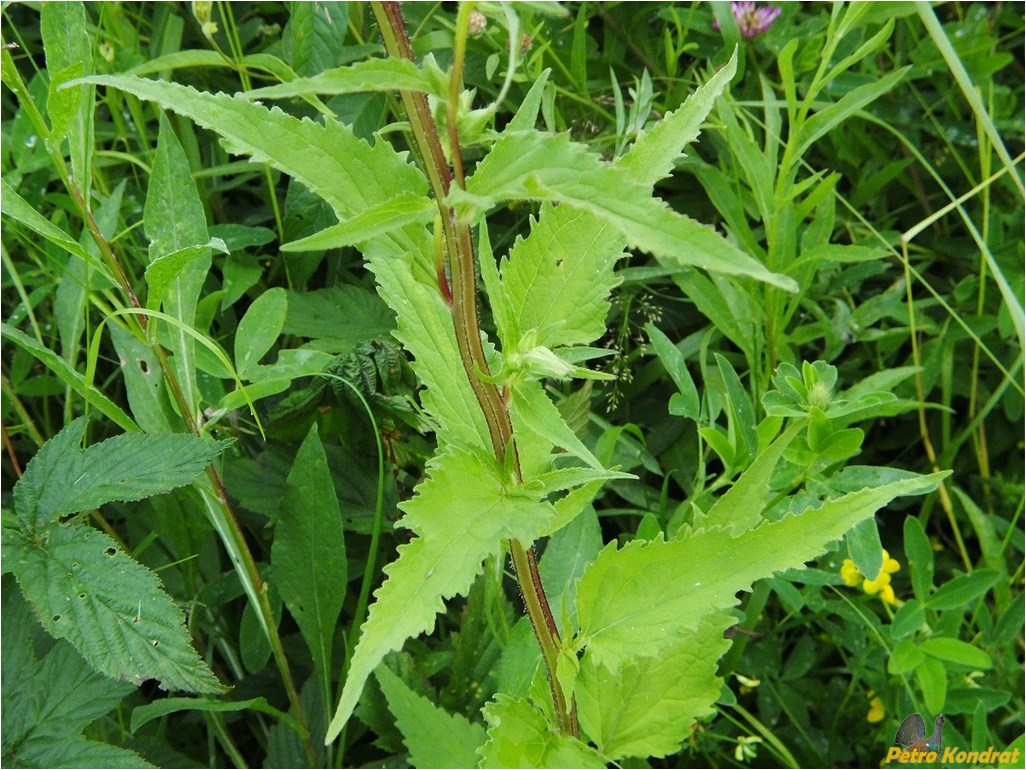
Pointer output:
584, 384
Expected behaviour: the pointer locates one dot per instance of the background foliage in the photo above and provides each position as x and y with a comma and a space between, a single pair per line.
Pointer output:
899, 213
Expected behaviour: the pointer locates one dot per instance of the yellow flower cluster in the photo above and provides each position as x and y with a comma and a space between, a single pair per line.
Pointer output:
880, 585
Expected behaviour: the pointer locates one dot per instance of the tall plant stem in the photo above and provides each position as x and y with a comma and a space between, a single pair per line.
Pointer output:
462, 270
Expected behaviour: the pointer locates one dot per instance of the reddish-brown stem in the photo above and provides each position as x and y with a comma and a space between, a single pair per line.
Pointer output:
462, 272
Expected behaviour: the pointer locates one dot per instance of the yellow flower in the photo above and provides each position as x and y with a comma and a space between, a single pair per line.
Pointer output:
876, 710
890, 566
850, 573
881, 585
875, 586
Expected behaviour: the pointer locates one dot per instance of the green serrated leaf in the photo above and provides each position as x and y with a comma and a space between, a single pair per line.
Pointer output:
87, 590
520, 736
327, 158
434, 737
426, 330
534, 166
48, 703
648, 707
462, 514
386, 75
653, 153
556, 280
636, 600
308, 556
742, 505
348, 314
370, 223
314, 35
63, 479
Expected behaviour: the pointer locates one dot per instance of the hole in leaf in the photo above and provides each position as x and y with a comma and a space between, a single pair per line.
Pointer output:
62, 520
56, 618
155, 642
82, 595
111, 551
144, 365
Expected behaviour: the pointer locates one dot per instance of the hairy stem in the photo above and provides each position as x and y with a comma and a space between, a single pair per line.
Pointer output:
468, 333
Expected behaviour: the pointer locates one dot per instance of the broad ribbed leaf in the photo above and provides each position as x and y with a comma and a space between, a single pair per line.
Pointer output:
63, 479
68, 48
520, 736
258, 330
84, 588
462, 514
647, 708
434, 737
348, 314
312, 40
75, 751
87, 590
174, 219
47, 703
328, 158
308, 556
533, 166
637, 600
